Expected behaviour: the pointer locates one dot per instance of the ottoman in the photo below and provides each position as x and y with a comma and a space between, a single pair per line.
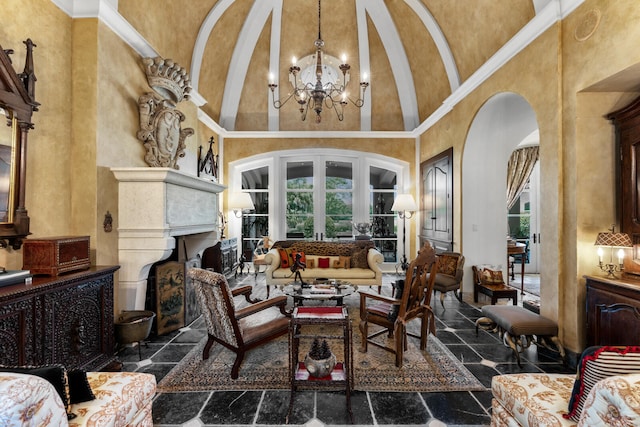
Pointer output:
519, 327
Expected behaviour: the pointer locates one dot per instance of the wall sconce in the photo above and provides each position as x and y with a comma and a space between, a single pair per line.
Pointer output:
612, 240
405, 205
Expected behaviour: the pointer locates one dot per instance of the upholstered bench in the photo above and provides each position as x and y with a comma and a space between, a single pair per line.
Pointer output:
519, 327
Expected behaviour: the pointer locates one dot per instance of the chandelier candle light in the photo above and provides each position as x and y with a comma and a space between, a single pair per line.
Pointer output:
612, 240
326, 89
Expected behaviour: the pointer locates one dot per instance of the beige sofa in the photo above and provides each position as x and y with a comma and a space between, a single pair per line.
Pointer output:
362, 266
122, 399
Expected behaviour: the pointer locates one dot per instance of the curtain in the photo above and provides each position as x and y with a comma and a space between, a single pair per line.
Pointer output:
519, 169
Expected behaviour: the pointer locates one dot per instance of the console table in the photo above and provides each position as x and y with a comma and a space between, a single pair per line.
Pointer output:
66, 319
613, 311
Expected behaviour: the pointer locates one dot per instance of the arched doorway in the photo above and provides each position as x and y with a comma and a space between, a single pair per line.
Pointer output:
500, 125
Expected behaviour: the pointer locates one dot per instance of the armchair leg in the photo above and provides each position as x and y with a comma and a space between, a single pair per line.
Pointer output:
207, 347
236, 365
442, 299
364, 331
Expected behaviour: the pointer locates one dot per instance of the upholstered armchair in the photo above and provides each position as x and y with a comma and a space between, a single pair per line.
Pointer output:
450, 268
411, 302
239, 330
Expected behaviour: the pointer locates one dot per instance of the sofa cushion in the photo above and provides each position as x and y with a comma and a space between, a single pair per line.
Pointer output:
597, 363
120, 398
286, 257
491, 277
56, 374
79, 388
323, 262
538, 397
359, 258
29, 400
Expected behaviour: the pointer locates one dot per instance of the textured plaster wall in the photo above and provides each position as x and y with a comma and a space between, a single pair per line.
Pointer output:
575, 143
47, 197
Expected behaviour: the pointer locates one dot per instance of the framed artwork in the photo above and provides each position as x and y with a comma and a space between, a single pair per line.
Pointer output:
170, 296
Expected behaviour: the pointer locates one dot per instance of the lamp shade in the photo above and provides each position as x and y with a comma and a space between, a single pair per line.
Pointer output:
404, 203
614, 240
240, 201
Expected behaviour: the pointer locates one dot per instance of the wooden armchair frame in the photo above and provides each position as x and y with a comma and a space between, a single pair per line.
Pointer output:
413, 304
225, 323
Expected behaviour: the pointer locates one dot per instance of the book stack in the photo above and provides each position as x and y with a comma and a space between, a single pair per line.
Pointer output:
323, 289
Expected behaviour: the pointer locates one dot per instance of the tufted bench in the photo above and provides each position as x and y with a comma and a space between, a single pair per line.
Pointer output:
519, 327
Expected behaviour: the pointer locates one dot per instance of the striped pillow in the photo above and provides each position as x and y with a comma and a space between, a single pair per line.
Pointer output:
597, 363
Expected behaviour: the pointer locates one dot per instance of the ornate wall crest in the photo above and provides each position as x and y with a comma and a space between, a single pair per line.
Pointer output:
160, 121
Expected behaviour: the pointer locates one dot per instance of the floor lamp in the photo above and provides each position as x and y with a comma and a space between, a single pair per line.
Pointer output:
405, 205
240, 202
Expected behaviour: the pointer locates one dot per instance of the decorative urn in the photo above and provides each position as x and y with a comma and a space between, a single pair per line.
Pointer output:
320, 361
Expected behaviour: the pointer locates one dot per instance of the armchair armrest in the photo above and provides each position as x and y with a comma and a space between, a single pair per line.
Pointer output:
246, 292
279, 301
613, 399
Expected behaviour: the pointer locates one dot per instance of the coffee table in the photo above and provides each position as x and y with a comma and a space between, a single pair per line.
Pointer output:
333, 290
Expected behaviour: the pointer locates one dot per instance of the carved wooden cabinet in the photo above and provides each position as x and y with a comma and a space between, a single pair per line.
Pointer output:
436, 187
613, 311
222, 257
66, 319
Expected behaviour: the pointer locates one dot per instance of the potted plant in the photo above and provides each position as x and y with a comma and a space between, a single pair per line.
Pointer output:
320, 360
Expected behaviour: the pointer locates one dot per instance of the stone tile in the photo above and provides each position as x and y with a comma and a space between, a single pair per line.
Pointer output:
447, 337
177, 408
172, 353
398, 408
158, 369
469, 336
331, 408
231, 407
456, 408
464, 353
303, 407
483, 373
131, 354
513, 368
460, 323
191, 336
484, 397
495, 352
274, 407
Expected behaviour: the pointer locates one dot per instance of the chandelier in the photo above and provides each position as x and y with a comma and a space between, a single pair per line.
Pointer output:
326, 90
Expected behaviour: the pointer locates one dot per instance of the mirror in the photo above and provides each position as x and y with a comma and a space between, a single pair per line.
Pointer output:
17, 104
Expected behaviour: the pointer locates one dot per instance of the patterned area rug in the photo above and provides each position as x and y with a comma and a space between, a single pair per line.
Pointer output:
267, 368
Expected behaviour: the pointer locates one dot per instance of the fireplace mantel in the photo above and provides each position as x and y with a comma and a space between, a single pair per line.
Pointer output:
155, 205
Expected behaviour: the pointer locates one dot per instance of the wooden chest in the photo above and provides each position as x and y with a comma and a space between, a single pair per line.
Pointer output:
54, 255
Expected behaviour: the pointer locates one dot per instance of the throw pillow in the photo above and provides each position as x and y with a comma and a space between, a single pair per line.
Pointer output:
346, 261
597, 363
285, 257
323, 262
338, 263
447, 264
398, 287
311, 262
56, 374
79, 388
359, 258
491, 277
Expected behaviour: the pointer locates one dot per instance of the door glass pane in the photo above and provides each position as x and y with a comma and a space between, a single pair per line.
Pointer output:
382, 188
338, 199
519, 220
255, 223
299, 209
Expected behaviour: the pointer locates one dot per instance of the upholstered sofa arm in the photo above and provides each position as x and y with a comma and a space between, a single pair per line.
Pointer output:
29, 400
612, 400
375, 258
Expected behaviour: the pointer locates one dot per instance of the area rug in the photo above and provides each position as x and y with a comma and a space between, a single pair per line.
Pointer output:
267, 368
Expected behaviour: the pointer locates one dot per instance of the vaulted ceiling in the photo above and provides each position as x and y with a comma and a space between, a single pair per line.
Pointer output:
416, 53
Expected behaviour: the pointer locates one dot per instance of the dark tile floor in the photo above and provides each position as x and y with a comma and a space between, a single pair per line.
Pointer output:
484, 355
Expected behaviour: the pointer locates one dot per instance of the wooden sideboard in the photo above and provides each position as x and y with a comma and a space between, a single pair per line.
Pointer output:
66, 319
613, 311
222, 257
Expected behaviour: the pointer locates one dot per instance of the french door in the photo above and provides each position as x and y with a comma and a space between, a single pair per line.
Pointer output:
319, 197
523, 221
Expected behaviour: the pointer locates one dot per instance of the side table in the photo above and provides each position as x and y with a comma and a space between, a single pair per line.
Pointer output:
342, 374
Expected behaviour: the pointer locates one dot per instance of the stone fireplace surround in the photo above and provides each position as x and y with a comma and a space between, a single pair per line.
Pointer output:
156, 205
